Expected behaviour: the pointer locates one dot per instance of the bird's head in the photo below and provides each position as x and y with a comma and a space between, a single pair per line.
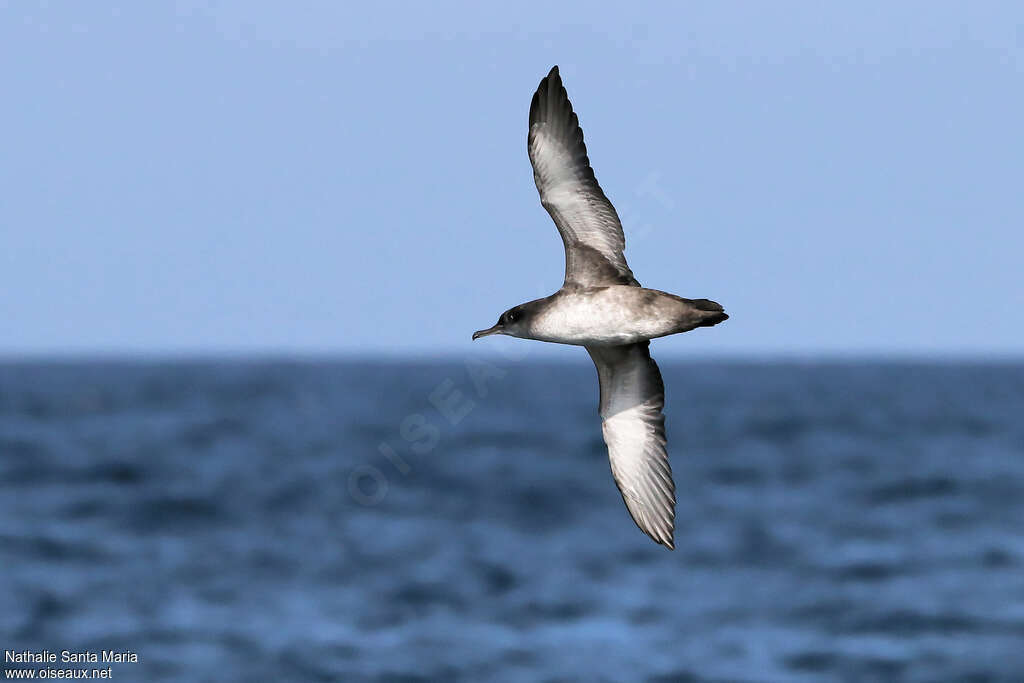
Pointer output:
512, 322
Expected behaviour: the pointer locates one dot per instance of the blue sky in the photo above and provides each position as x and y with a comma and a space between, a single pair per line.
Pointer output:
321, 177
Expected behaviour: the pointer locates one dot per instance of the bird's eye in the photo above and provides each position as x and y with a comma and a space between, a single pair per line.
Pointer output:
510, 316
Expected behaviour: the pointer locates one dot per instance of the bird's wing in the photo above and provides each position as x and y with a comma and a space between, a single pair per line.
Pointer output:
632, 398
587, 221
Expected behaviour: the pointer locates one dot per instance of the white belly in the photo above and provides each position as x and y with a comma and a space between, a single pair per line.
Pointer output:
609, 315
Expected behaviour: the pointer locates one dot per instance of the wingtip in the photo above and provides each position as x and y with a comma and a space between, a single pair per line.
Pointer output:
552, 77
549, 97
661, 539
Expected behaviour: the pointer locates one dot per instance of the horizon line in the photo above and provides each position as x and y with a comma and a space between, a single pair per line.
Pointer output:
270, 355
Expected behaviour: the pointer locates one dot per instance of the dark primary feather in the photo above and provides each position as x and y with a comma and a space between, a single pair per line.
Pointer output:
587, 221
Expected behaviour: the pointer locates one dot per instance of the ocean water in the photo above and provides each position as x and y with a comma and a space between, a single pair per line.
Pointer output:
346, 521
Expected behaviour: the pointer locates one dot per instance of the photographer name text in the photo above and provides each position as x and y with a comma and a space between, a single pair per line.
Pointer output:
67, 656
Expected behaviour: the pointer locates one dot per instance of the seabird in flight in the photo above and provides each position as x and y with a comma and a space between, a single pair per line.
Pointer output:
603, 308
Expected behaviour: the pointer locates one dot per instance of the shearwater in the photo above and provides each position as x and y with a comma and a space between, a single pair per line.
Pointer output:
603, 308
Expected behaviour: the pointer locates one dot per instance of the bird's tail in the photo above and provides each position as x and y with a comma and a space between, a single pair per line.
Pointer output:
710, 313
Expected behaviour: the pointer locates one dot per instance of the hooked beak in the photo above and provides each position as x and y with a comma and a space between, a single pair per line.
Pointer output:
483, 333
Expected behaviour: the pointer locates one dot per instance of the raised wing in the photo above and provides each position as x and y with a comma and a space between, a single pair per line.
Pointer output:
632, 398
587, 221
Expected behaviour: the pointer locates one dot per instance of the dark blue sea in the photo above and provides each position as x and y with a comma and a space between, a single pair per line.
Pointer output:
452, 521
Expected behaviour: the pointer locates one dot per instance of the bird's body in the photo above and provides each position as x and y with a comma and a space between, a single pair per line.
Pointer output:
602, 307
615, 315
